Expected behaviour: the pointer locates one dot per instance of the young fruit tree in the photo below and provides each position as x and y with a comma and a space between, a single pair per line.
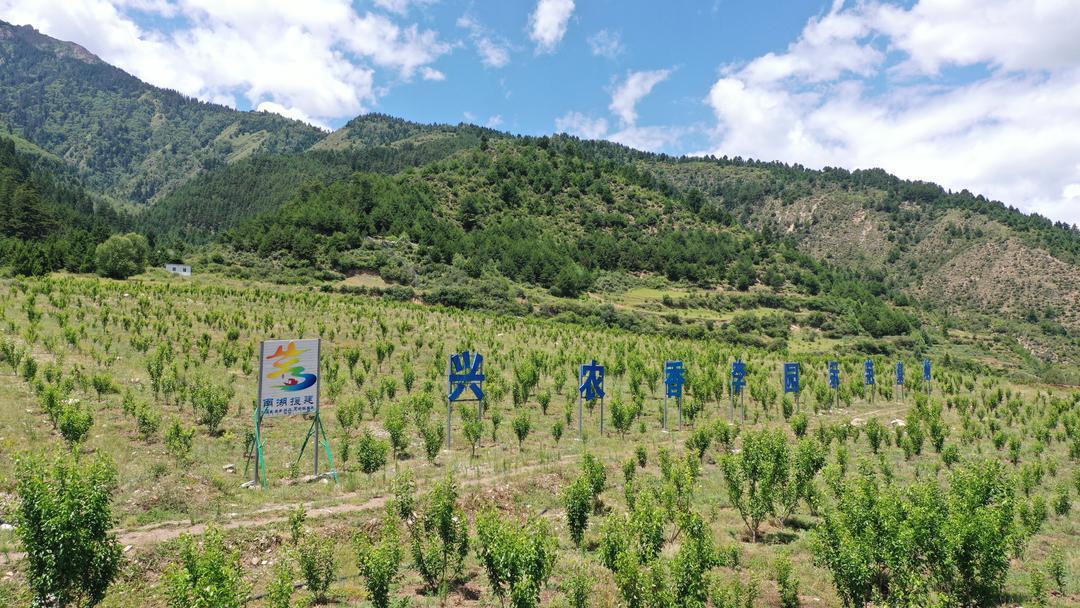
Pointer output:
63, 520
518, 558
756, 476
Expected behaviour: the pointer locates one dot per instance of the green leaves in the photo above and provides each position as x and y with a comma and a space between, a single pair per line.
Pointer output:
63, 520
440, 537
370, 452
578, 498
121, 256
756, 476
901, 545
205, 576
378, 561
518, 559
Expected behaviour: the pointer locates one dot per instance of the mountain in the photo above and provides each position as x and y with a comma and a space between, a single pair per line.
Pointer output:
228, 195
957, 250
127, 139
48, 221
453, 210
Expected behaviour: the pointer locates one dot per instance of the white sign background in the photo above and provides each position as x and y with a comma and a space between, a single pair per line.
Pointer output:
289, 377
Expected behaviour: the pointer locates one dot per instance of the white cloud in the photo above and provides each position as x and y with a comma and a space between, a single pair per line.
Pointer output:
401, 6
428, 73
315, 59
576, 123
494, 51
632, 90
834, 98
293, 113
606, 44
494, 121
547, 24
650, 139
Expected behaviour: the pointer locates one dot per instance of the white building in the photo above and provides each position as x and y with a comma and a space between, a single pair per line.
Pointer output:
183, 270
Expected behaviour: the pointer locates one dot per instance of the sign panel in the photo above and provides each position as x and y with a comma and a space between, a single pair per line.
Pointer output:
738, 376
674, 378
870, 372
466, 371
900, 373
289, 377
834, 374
926, 370
791, 377
592, 381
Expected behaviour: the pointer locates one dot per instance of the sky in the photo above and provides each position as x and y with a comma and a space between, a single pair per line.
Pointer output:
982, 95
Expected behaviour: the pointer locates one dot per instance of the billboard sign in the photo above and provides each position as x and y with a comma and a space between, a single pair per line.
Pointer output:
289, 377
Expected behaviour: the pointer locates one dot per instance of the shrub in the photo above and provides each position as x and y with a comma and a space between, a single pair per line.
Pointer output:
875, 434
518, 559
473, 428
1055, 567
379, 561
121, 255
75, 423
755, 476
578, 499
433, 435
178, 441
280, 591
522, 426
63, 520
788, 582
317, 566
394, 422
206, 576
370, 452
297, 517
898, 545
799, 423
211, 402
440, 538
578, 588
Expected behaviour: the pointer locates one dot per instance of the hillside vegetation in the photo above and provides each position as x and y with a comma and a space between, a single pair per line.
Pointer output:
126, 138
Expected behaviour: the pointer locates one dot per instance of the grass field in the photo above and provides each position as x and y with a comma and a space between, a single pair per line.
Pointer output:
95, 344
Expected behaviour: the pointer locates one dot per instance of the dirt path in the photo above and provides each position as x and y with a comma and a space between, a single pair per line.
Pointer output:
159, 532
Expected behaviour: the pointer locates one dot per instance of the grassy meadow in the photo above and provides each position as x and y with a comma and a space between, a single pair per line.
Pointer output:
150, 359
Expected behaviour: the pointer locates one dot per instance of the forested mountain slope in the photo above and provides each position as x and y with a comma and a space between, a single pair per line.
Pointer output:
127, 139
228, 195
955, 249
47, 220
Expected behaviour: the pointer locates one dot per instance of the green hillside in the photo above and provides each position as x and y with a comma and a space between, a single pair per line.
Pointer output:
127, 139
226, 196
47, 220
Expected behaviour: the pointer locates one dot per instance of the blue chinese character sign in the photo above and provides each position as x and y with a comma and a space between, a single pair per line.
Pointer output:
738, 382
900, 373
738, 377
791, 377
674, 378
591, 376
834, 380
869, 376
466, 372
926, 374
592, 381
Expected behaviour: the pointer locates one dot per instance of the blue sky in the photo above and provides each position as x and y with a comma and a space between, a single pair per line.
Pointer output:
976, 94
